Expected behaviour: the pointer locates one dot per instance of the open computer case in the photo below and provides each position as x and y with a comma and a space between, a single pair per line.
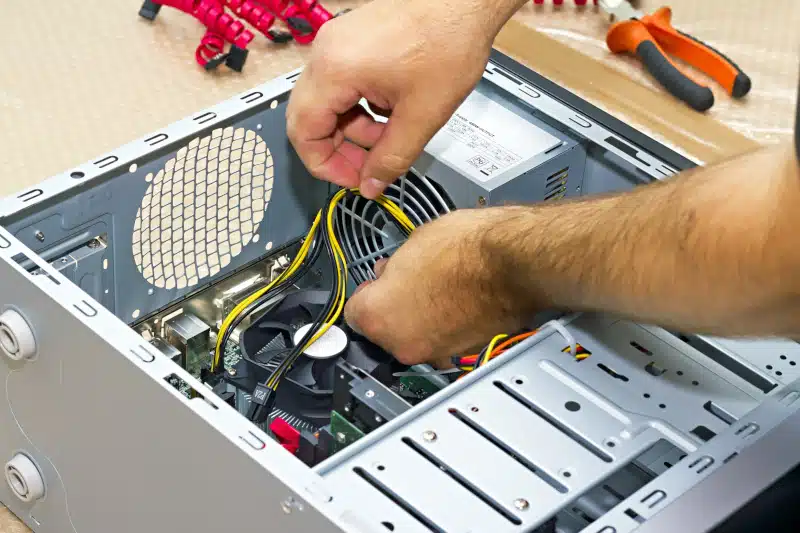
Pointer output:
116, 275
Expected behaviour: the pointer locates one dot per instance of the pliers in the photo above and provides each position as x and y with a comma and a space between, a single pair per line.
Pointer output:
651, 37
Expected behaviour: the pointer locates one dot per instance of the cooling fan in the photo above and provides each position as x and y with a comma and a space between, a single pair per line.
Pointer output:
305, 397
367, 234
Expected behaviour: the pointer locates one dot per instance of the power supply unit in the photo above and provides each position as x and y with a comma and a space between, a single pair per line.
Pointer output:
156, 351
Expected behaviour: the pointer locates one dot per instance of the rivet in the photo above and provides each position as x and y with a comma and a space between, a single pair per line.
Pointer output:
429, 436
521, 504
370, 394
378, 419
481, 201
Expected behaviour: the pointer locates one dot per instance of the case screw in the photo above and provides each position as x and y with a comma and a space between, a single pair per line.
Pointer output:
39, 236
428, 436
341, 437
232, 372
521, 504
378, 419
370, 394
290, 504
481, 201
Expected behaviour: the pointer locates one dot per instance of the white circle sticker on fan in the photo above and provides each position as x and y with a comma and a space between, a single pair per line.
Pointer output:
330, 344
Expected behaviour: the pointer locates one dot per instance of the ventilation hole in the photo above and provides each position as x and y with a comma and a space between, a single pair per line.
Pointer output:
27, 196
703, 433
778, 373
667, 464
679, 372
783, 358
269, 245
108, 160
273, 104
695, 383
572, 406
613, 373
792, 363
252, 97
611, 444
156, 139
135, 314
259, 126
205, 117
76, 175
105, 264
662, 406
133, 167
641, 348
518, 381
769, 367
646, 395
256, 238
202, 208
150, 291
566, 473
388, 525
381, 468
474, 409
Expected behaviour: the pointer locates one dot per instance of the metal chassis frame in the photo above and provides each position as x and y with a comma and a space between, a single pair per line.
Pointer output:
65, 320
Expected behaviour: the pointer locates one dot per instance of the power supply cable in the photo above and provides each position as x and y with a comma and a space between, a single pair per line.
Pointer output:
321, 235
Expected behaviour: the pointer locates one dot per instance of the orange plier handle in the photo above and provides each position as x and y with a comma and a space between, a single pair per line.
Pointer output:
652, 37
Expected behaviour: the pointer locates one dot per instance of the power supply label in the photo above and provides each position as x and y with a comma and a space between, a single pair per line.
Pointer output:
483, 139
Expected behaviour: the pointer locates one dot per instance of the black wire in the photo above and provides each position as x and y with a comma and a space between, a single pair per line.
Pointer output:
329, 305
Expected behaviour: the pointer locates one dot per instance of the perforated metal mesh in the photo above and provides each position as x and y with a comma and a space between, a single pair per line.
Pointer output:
368, 235
202, 208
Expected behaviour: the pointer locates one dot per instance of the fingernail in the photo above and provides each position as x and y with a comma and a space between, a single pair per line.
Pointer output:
372, 188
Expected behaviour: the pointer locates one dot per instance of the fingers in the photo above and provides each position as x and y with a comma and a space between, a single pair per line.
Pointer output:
312, 120
404, 137
359, 127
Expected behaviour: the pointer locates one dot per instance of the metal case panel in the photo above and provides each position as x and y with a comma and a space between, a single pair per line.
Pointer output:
113, 438
109, 203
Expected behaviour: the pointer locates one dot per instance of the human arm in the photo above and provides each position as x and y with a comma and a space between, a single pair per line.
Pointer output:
713, 250
413, 59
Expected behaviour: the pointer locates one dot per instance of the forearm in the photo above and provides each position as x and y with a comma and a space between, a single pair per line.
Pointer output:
715, 250
482, 19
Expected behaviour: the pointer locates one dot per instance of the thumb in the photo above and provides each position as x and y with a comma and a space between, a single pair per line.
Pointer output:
407, 131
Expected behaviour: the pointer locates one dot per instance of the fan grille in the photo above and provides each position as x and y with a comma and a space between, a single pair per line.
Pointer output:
368, 235
202, 208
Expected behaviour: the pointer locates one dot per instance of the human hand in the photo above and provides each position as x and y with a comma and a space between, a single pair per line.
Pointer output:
441, 293
414, 61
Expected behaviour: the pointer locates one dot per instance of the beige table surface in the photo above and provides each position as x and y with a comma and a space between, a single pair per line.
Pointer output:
81, 78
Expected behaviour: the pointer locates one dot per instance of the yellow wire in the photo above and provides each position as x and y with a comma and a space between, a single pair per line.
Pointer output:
341, 269
298, 260
490, 347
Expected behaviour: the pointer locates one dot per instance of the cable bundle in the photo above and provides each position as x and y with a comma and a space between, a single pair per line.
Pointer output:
320, 236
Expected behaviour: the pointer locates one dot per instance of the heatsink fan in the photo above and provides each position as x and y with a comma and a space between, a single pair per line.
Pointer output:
367, 234
305, 396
